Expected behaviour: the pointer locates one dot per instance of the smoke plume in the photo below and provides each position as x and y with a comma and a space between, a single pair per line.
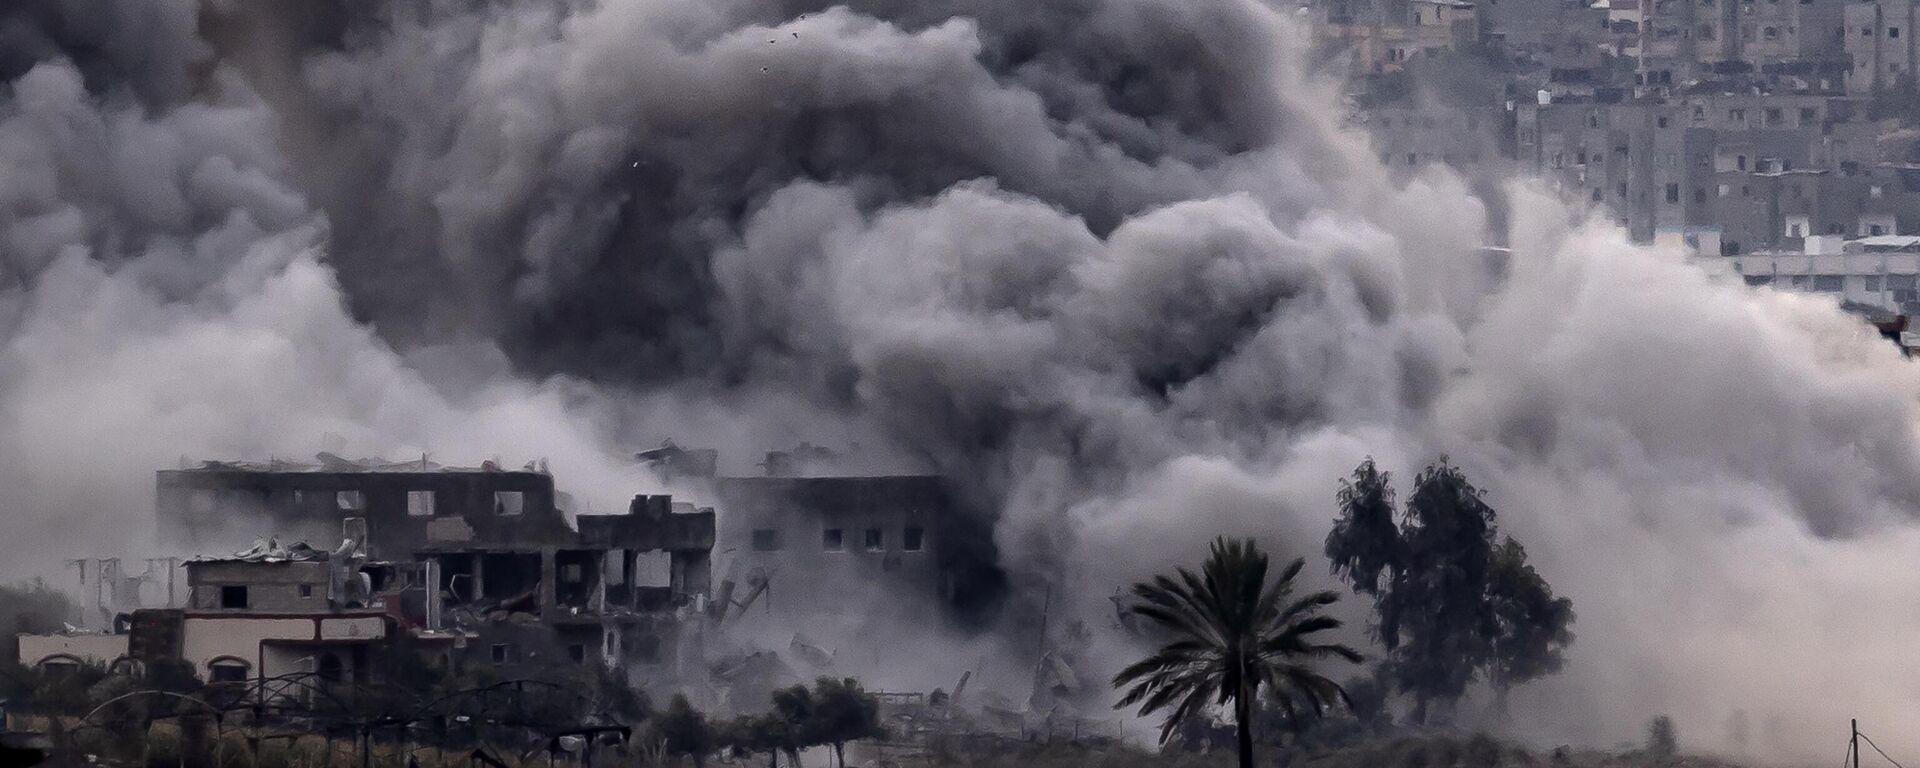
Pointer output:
1113, 264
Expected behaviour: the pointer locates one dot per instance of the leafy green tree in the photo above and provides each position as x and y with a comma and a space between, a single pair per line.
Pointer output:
67, 691
749, 735
844, 712
1234, 633
1364, 546
794, 725
1662, 742
1436, 617
31, 608
1450, 605
1534, 627
684, 731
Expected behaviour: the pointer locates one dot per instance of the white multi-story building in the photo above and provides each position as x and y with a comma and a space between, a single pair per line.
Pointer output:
1882, 272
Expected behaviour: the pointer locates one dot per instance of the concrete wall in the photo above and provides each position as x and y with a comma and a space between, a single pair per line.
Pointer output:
83, 648
248, 638
271, 587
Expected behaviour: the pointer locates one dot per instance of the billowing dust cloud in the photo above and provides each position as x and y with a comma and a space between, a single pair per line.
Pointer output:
1113, 265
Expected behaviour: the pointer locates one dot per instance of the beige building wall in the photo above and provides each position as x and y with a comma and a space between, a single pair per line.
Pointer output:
87, 648
208, 639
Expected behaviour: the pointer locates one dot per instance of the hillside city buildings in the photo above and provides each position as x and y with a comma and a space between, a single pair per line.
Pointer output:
1776, 132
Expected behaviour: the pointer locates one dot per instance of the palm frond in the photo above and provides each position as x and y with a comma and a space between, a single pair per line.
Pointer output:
1233, 631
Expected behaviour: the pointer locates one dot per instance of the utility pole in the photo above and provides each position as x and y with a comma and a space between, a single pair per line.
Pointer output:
1046, 607
1853, 744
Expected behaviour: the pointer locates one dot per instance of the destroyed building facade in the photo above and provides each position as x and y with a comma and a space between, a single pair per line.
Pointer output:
829, 552
503, 573
405, 505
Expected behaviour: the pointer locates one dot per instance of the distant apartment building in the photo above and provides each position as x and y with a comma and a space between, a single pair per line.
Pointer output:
1879, 41
1779, 210
1755, 165
1383, 37
1879, 272
1640, 162
1692, 40
1409, 138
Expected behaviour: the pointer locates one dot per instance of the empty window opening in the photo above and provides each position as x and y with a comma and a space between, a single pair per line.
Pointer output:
233, 596
59, 667
306, 590
579, 574
766, 540
644, 649
227, 671
331, 669
350, 501
653, 568
914, 539
456, 577
504, 653
876, 540
513, 578
833, 540
420, 503
652, 576
509, 503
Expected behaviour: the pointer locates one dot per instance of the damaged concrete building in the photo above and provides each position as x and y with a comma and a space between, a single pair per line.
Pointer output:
831, 554
514, 584
266, 612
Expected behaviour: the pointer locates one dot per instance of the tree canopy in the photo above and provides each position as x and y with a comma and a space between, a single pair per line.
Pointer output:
1453, 600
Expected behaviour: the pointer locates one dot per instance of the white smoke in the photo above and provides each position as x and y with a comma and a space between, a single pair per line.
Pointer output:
1115, 263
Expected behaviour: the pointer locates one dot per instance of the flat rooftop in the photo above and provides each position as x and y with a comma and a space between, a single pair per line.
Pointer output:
327, 462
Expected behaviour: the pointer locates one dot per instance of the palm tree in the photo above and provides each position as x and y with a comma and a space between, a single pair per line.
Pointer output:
1232, 635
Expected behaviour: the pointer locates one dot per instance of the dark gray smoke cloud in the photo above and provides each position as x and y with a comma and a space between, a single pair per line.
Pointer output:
1113, 263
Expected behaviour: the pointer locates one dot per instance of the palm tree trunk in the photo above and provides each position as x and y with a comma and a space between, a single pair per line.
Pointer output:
1243, 724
